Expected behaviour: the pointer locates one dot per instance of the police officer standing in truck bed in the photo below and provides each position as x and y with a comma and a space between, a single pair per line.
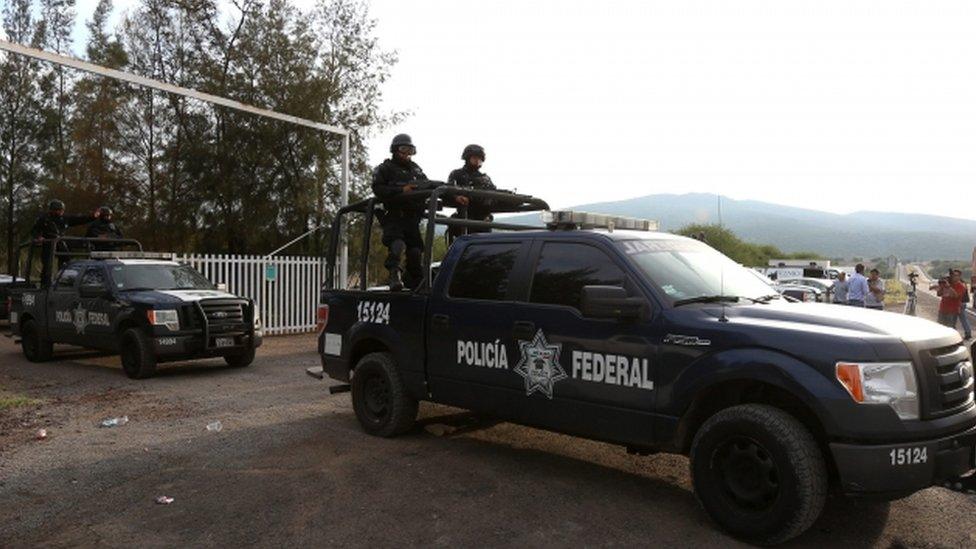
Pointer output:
400, 219
469, 176
52, 225
103, 227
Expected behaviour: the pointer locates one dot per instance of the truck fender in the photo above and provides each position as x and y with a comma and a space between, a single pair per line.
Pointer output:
364, 337
790, 377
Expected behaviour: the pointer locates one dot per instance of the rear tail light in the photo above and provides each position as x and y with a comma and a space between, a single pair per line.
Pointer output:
322, 318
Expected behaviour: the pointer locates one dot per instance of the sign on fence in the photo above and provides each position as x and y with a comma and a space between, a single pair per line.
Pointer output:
287, 295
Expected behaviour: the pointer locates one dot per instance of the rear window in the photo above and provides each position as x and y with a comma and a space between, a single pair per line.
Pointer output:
483, 271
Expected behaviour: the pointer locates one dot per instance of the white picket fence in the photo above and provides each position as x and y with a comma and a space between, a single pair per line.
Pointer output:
287, 304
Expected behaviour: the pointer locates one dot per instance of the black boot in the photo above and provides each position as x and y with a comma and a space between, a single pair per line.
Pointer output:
395, 283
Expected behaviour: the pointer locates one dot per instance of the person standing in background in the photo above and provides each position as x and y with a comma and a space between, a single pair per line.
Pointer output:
876, 291
857, 289
963, 301
839, 289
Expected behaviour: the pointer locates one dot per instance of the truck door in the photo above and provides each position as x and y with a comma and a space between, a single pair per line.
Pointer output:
469, 340
62, 303
99, 309
589, 376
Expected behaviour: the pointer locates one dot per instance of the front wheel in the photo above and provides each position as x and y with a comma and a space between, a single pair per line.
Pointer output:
382, 404
240, 360
138, 358
36, 347
758, 473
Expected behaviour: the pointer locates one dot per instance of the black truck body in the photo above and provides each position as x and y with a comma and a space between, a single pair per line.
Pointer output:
102, 303
591, 333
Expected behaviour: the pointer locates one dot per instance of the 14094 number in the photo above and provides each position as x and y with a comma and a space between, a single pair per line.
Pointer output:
909, 456
374, 312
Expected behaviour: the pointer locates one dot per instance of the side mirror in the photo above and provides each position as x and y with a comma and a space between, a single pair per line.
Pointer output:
92, 292
610, 302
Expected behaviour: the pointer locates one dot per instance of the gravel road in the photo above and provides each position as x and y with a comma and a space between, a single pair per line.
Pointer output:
291, 467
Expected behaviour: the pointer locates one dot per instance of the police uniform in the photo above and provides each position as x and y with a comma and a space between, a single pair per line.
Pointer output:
102, 228
400, 219
49, 227
478, 209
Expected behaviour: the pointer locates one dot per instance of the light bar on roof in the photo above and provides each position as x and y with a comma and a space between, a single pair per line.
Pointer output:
587, 220
169, 256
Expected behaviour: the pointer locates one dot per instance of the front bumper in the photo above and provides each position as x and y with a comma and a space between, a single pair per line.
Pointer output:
178, 346
904, 468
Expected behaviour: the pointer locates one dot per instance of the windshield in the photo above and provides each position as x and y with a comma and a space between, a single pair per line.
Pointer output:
686, 269
159, 277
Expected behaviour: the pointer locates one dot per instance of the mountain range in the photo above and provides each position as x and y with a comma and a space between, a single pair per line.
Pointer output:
860, 234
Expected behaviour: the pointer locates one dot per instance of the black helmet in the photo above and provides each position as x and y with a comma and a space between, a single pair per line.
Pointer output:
104, 210
55, 205
473, 150
402, 140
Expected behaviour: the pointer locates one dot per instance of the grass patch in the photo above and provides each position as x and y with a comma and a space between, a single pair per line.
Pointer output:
895, 292
8, 401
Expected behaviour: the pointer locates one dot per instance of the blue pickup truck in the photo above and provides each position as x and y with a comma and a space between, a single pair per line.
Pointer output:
144, 306
660, 343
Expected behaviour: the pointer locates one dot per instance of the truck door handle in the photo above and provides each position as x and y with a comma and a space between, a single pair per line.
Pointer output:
440, 320
524, 329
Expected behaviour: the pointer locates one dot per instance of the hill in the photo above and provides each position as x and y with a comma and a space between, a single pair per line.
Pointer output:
860, 234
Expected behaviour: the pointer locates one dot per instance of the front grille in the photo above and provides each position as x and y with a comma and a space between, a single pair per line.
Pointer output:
948, 392
225, 315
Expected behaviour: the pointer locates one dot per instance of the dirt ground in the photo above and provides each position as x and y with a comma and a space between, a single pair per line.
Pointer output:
291, 467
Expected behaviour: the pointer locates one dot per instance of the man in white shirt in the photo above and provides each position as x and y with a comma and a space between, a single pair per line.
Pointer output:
876, 291
857, 289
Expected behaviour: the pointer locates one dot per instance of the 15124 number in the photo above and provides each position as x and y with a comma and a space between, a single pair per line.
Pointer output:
909, 456
374, 312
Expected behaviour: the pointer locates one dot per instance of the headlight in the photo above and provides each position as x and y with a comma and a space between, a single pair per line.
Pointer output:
891, 383
169, 318
257, 320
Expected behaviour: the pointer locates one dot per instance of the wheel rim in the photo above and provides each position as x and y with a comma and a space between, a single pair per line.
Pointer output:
376, 397
747, 473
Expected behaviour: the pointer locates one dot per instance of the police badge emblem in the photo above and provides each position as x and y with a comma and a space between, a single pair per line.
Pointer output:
539, 365
80, 319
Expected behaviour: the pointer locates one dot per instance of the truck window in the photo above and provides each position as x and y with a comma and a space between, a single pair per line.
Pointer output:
66, 280
483, 271
93, 277
564, 268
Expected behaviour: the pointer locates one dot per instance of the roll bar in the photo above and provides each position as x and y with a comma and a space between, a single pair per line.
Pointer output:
55, 250
431, 192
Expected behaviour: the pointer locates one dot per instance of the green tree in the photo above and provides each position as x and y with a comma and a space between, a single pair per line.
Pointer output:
740, 251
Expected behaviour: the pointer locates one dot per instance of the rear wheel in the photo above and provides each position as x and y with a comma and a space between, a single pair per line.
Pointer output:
241, 359
138, 358
758, 473
382, 404
36, 347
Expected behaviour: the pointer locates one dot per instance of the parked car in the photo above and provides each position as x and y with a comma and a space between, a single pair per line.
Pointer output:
802, 292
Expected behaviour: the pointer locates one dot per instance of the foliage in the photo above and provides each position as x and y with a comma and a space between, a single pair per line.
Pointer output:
184, 175
895, 292
938, 268
746, 253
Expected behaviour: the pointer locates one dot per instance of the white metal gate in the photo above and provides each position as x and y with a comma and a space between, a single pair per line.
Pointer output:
287, 304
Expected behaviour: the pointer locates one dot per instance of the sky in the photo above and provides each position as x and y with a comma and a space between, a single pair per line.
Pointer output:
831, 105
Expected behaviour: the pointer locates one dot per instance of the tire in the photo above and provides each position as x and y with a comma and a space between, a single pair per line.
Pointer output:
382, 404
138, 358
240, 360
758, 473
36, 347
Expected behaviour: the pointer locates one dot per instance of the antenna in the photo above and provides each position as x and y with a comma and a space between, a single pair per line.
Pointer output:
722, 318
